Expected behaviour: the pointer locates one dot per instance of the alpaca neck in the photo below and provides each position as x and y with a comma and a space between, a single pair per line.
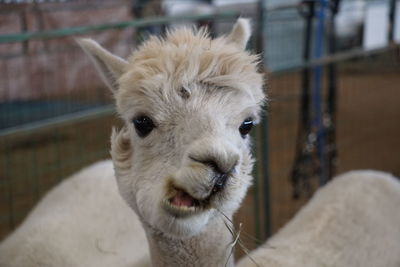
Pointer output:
209, 248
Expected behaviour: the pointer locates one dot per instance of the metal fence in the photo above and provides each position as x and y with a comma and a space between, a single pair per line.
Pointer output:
56, 116
329, 112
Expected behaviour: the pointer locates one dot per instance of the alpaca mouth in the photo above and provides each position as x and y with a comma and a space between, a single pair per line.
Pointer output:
183, 199
180, 203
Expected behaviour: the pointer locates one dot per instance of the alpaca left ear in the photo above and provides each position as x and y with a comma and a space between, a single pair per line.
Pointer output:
109, 66
240, 33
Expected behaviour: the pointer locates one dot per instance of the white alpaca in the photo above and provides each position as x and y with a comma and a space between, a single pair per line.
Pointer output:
353, 221
81, 222
182, 163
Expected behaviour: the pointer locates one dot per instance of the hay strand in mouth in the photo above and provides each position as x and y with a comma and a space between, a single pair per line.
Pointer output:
234, 242
243, 233
236, 238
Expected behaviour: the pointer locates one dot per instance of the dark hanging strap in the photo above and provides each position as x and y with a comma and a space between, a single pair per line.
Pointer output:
303, 152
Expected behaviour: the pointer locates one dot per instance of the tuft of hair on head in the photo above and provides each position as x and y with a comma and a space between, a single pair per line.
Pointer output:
240, 33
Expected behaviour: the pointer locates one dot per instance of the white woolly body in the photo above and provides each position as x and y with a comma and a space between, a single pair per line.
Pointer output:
81, 222
353, 221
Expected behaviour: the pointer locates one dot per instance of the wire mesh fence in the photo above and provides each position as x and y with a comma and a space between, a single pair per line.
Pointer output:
366, 131
365, 82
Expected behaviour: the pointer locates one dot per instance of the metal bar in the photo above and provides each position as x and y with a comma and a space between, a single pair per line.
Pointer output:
283, 7
10, 38
332, 93
306, 58
317, 98
54, 50
332, 66
392, 15
59, 120
257, 171
304, 113
355, 53
264, 129
266, 182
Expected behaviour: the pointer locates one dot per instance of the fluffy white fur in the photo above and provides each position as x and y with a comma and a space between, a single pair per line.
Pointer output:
198, 91
81, 222
353, 221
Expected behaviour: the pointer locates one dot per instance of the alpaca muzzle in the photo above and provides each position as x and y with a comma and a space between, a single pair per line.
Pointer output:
193, 189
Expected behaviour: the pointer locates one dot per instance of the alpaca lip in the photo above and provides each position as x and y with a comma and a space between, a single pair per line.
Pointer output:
182, 204
183, 199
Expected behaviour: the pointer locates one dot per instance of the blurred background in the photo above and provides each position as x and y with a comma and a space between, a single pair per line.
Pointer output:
333, 80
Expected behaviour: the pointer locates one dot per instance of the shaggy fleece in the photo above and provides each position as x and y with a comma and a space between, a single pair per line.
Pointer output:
354, 221
81, 222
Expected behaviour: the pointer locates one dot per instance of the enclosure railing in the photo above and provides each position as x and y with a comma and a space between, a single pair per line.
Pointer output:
75, 32
137, 23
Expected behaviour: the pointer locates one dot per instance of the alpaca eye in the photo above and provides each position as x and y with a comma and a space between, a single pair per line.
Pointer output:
143, 125
246, 126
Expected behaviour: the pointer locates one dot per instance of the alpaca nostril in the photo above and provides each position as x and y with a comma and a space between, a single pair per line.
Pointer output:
220, 182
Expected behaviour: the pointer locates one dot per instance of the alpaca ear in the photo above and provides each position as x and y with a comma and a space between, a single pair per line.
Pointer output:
240, 33
109, 66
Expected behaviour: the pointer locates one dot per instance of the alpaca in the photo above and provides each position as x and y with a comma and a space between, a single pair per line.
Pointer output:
81, 222
182, 162
352, 221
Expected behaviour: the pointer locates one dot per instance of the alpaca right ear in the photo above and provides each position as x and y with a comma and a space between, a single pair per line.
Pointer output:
109, 66
240, 33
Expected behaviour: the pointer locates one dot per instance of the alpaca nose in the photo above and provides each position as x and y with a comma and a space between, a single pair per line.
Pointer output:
221, 174
219, 169
218, 155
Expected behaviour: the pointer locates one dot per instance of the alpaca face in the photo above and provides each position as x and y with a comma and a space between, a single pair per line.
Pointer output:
195, 160
188, 103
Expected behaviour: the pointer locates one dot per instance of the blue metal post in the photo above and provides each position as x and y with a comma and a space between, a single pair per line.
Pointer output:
317, 99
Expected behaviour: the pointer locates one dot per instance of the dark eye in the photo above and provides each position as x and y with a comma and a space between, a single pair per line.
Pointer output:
246, 126
143, 125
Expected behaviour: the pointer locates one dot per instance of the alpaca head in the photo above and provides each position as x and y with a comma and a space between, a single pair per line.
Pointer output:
188, 103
